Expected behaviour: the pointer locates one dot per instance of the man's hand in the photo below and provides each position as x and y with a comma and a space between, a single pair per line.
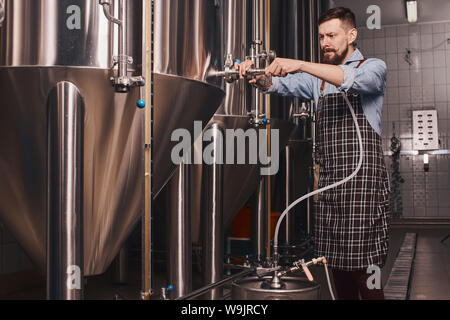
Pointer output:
262, 82
282, 67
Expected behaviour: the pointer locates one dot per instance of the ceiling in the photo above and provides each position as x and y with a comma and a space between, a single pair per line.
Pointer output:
394, 11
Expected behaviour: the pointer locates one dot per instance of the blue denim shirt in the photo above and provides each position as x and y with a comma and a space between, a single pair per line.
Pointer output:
369, 80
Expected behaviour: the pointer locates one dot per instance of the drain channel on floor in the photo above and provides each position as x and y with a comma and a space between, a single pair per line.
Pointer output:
397, 286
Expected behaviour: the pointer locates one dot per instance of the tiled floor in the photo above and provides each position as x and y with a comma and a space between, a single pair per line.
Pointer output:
431, 272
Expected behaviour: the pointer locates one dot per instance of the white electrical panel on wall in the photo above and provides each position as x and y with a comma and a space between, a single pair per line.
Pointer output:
425, 130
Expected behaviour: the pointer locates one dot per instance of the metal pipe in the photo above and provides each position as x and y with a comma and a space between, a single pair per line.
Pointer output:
146, 219
212, 211
180, 240
106, 4
218, 284
288, 235
259, 226
257, 11
121, 266
123, 40
312, 31
65, 193
266, 27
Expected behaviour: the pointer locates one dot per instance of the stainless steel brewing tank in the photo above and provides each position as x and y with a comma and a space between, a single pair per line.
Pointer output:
67, 33
44, 43
255, 288
186, 50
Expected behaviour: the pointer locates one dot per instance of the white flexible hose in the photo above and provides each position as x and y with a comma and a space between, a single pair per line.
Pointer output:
295, 203
329, 281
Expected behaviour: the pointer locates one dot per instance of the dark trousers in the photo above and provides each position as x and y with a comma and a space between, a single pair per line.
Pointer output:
352, 285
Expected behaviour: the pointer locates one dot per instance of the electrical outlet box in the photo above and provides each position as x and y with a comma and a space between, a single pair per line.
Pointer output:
425, 130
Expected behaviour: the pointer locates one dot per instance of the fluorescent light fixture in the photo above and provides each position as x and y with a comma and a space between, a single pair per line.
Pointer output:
411, 10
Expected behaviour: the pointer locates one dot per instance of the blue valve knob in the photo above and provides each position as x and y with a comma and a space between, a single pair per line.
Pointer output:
265, 121
141, 104
238, 61
170, 288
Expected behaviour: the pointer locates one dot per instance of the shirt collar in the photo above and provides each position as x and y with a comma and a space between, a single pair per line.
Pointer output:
356, 56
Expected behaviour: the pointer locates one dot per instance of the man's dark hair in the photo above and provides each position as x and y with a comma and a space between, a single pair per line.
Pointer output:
344, 14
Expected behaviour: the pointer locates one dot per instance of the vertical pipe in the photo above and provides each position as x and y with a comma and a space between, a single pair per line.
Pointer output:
312, 28
65, 193
146, 254
179, 232
121, 266
288, 219
212, 209
235, 39
255, 51
295, 52
314, 12
266, 27
259, 221
123, 63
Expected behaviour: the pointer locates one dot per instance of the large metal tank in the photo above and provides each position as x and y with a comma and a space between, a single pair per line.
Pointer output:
293, 288
186, 50
57, 54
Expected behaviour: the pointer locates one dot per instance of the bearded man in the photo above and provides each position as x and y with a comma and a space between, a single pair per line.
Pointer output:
351, 221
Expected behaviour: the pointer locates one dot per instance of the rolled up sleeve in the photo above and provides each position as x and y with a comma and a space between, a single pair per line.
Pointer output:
300, 85
274, 87
349, 78
370, 78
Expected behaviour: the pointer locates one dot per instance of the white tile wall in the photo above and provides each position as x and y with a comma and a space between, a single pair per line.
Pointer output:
424, 84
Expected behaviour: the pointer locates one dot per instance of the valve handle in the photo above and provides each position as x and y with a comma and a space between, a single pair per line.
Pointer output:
141, 104
308, 273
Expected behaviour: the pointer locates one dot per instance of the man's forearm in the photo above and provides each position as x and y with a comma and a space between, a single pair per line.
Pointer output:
330, 73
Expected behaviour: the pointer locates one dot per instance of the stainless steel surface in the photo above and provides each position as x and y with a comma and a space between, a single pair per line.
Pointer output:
288, 235
107, 10
212, 214
112, 160
147, 216
254, 288
179, 233
121, 82
235, 39
178, 103
258, 33
65, 193
314, 13
259, 220
121, 266
221, 283
186, 43
50, 33
240, 181
186, 47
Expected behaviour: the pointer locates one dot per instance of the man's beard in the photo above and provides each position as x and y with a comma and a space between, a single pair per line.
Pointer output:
336, 59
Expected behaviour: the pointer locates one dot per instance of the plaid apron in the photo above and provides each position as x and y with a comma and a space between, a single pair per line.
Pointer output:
351, 221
